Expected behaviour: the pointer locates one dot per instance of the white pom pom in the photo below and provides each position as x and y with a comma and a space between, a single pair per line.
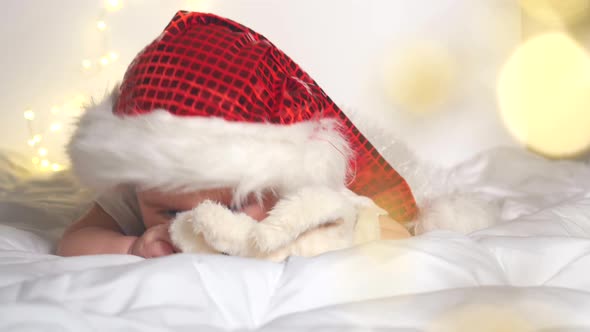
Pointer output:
462, 213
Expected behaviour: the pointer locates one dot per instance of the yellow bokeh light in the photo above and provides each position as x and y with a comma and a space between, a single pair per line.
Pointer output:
35, 160
556, 11
104, 61
36, 139
544, 95
101, 25
44, 163
29, 115
113, 4
56, 126
481, 318
73, 107
42, 152
113, 56
86, 64
56, 167
421, 78
79, 99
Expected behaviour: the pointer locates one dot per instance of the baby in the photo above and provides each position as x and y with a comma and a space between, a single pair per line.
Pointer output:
212, 111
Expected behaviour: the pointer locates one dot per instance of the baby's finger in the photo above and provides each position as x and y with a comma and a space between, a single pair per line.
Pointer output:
160, 248
165, 235
159, 233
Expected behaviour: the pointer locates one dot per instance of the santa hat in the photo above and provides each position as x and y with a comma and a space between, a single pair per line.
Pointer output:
211, 103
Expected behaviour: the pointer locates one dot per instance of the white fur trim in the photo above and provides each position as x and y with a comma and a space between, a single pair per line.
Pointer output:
307, 223
224, 230
440, 204
304, 210
462, 213
425, 179
184, 236
160, 150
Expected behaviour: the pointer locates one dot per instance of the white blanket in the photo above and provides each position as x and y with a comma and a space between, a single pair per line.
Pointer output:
529, 272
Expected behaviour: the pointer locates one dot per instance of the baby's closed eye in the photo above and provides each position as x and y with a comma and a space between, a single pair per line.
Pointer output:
170, 214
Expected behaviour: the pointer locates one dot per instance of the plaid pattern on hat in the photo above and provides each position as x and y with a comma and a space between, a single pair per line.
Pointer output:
207, 66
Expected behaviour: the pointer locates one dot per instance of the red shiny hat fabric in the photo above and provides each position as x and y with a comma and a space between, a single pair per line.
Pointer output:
207, 66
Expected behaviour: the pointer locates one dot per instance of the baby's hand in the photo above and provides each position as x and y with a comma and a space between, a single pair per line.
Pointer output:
155, 242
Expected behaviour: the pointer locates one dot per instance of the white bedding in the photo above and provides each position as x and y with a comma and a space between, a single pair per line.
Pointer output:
529, 272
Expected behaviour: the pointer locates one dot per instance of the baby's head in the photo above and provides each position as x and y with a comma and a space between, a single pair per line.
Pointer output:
212, 104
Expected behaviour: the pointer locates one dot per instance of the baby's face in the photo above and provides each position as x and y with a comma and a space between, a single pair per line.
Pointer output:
160, 207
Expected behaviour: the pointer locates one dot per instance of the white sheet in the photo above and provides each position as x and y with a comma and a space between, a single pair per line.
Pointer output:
529, 272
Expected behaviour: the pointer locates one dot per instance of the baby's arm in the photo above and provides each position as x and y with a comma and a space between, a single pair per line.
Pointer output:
98, 233
95, 233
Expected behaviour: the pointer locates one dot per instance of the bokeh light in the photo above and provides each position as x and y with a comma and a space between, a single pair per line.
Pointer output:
113, 5
86, 64
29, 115
544, 95
421, 78
101, 25
556, 12
56, 126
481, 318
42, 152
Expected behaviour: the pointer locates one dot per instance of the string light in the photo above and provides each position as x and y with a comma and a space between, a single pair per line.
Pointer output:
42, 152
29, 115
101, 25
55, 126
71, 107
36, 139
113, 5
